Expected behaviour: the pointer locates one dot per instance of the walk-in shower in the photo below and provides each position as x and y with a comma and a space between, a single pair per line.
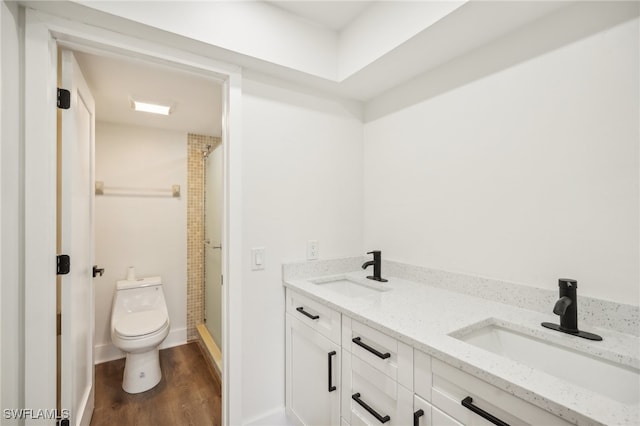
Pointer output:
204, 243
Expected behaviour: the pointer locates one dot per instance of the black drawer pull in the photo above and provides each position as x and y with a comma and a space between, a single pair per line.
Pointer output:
416, 417
330, 356
358, 341
303, 312
356, 398
468, 403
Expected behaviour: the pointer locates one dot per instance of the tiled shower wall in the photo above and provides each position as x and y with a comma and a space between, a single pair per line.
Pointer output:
196, 146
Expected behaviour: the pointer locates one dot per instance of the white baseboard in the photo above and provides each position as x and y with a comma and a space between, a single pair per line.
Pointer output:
276, 417
176, 337
108, 352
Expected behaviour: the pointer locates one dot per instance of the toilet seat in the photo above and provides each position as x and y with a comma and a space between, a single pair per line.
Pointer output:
139, 324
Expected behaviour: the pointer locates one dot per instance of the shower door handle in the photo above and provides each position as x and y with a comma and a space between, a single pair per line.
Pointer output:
208, 243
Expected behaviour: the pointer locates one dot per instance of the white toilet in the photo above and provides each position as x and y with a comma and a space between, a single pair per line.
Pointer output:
139, 323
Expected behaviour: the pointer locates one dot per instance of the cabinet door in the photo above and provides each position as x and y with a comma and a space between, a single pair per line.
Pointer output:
313, 376
421, 412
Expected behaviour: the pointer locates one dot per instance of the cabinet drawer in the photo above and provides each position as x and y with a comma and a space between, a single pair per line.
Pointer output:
364, 386
384, 353
321, 318
451, 386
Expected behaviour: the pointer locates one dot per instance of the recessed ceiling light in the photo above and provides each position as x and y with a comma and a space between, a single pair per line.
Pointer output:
149, 107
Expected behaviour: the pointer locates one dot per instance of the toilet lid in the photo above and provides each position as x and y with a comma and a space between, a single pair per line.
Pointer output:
140, 323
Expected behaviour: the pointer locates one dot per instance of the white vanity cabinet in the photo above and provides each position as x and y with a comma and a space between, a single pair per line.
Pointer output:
342, 372
313, 362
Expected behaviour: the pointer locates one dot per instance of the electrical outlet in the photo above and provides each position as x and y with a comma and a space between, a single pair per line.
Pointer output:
312, 250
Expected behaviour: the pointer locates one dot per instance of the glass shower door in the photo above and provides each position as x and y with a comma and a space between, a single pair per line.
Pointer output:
213, 244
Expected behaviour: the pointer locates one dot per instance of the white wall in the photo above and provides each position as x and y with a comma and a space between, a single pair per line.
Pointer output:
527, 174
256, 29
12, 211
376, 32
302, 180
149, 233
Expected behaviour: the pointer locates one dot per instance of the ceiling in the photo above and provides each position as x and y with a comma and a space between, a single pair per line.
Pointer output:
380, 46
334, 15
114, 81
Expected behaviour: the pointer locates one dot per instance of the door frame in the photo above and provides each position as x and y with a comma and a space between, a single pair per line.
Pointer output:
43, 34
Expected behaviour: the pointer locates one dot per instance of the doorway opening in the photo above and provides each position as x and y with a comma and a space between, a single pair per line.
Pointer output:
46, 35
148, 213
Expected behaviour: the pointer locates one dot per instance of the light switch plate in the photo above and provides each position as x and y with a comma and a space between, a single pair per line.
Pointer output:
312, 250
257, 258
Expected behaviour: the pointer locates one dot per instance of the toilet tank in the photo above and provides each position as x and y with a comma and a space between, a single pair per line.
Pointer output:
139, 295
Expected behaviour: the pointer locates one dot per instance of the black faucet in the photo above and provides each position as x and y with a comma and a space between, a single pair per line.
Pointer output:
567, 308
376, 262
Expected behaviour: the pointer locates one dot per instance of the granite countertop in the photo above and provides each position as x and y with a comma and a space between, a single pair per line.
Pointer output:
425, 316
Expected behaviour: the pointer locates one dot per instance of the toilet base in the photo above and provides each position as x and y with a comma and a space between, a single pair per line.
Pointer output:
141, 371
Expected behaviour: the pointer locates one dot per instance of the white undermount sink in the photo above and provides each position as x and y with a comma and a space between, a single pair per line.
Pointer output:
349, 288
607, 378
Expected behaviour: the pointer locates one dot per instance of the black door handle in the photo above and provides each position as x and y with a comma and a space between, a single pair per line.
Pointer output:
307, 314
416, 417
358, 341
374, 413
468, 403
97, 271
330, 357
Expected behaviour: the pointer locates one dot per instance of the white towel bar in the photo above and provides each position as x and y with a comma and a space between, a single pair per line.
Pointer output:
174, 191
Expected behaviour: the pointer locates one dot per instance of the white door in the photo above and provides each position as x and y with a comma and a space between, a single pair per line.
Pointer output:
76, 239
214, 172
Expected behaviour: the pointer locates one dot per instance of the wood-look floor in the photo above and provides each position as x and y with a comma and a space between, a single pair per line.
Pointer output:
188, 394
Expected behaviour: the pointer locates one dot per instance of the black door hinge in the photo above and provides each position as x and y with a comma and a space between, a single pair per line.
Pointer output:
63, 264
64, 99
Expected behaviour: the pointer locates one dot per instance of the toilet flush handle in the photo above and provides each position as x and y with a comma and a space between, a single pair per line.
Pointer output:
97, 271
